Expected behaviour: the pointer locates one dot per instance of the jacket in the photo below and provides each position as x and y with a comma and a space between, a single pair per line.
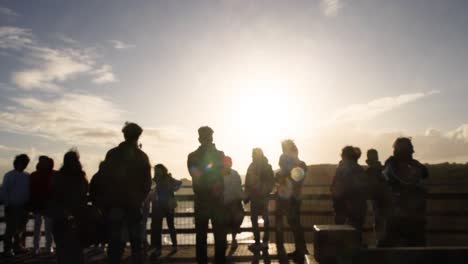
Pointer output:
206, 168
259, 180
127, 177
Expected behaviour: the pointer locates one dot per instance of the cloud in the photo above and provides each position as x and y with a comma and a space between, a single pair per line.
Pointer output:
330, 8
50, 67
120, 45
15, 38
47, 68
431, 146
71, 117
8, 12
104, 75
367, 111
10, 149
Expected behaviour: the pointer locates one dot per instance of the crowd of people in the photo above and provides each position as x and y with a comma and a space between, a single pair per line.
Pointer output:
395, 190
78, 214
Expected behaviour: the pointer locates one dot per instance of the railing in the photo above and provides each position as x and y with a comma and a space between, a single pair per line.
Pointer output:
447, 216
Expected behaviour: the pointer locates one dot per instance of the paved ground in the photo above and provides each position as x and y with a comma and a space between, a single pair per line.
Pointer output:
185, 254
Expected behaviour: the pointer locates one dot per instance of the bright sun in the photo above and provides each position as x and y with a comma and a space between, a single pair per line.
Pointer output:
264, 113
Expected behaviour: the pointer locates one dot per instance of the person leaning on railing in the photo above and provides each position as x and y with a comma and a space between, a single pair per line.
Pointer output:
163, 206
259, 182
290, 180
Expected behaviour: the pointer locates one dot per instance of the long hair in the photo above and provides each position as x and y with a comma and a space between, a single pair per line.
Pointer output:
162, 179
289, 147
72, 165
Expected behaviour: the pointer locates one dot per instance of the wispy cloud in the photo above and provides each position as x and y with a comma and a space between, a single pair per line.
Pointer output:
15, 38
8, 12
51, 67
104, 75
330, 8
70, 118
120, 45
47, 68
367, 111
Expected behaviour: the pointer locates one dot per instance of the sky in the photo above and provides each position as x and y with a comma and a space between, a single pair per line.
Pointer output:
326, 73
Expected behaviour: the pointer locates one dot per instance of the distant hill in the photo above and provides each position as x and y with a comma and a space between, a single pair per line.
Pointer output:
444, 173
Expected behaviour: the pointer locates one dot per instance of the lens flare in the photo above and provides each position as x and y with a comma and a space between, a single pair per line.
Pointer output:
297, 174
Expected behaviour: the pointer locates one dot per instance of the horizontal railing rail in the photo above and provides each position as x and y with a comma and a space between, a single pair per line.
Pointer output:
185, 212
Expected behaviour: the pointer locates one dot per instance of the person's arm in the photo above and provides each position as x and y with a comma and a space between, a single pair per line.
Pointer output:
146, 176
6, 187
175, 184
239, 192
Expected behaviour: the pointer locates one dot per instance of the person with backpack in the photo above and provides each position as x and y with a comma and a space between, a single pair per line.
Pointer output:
289, 180
15, 190
68, 203
349, 191
259, 182
39, 196
127, 173
404, 176
233, 196
206, 168
163, 206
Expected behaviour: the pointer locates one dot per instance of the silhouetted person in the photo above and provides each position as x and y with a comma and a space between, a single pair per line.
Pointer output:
127, 172
378, 193
233, 196
348, 190
40, 194
290, 180
404, 175
68, 203
259, 182
97, 187
16, 195
163, 206
206, 167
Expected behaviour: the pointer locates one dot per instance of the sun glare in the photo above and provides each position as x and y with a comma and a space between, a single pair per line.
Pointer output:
263, 112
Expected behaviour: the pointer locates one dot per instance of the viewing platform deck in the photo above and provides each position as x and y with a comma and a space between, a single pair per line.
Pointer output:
184, 254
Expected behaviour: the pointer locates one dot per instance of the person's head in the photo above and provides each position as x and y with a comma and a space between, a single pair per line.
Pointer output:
71, 161
160, 170
131, 132
372, 156
289, 147
21, 162
205, 135
348, 153
227, 164
257, 154
357, 153
43, 163
403, 148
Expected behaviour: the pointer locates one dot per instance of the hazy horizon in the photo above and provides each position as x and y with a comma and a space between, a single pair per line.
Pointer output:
326, 73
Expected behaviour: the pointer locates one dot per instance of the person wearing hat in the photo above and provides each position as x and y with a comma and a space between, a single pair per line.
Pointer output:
127, 172
206, 168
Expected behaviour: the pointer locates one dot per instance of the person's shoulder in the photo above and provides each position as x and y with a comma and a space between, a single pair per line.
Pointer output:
9, 174
142, 154
390, 161
235, 173
194, 153
111, 152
